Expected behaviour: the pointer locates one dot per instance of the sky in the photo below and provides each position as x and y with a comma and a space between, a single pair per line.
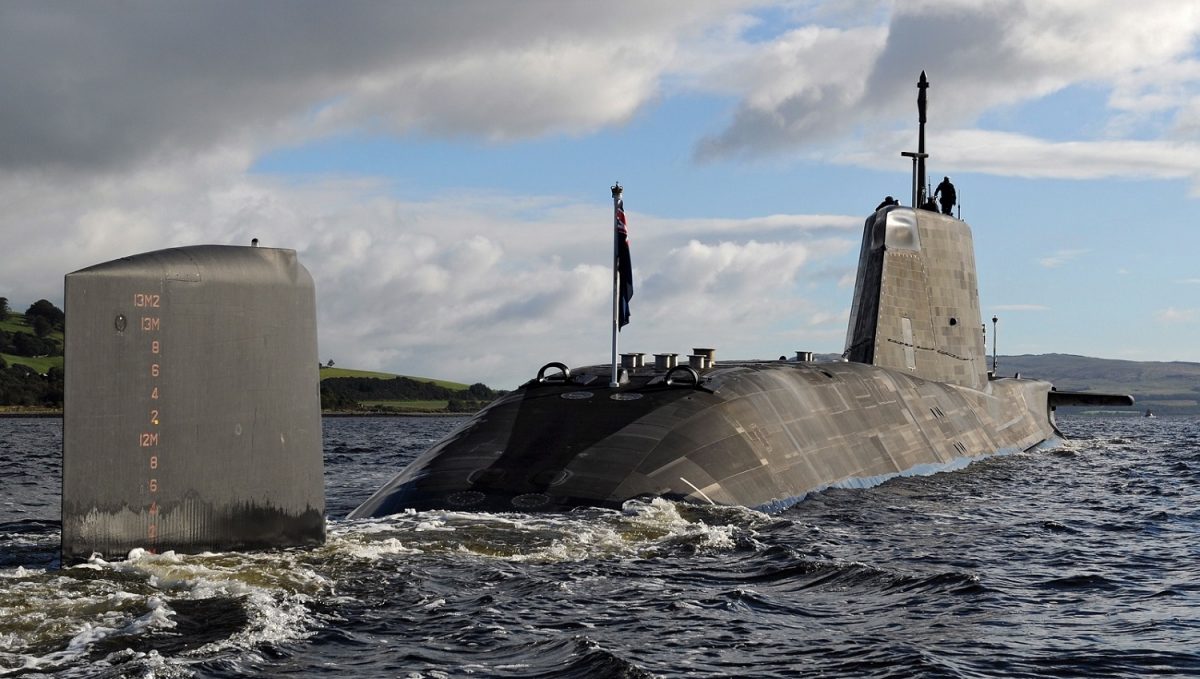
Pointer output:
443, 169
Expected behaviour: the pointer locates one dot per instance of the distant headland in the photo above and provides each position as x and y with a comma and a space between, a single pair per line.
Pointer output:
31, 377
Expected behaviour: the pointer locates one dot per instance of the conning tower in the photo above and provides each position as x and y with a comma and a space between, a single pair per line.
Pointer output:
916, 298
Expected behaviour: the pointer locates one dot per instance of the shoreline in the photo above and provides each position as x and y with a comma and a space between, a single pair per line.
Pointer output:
31, 414
368, 413
47, 414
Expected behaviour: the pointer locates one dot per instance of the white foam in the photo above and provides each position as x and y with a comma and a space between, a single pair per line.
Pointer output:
373, 550
158, 617
595, 533
433, 525
21, 572
274, 588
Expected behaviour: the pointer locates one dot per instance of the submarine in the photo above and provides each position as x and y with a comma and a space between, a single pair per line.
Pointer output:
913, 395
192, 416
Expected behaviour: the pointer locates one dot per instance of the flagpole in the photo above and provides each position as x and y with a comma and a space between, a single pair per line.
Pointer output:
616, 195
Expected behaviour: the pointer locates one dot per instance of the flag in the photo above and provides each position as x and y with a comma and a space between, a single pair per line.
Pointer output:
624, 264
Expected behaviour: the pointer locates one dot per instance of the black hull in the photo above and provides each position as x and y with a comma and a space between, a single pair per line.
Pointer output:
758, 434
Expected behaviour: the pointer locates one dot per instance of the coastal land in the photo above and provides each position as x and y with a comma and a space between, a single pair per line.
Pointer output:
31, 378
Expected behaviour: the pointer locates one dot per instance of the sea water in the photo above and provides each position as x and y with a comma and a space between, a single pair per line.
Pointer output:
1079, 561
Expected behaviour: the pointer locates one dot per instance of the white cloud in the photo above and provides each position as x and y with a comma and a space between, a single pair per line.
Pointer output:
1019, 155
1173, 315
114, 87
729, 281
1061, 257
461, 286
806, 91
100, 86
804, 86
839, 319
1024, 156
132, 128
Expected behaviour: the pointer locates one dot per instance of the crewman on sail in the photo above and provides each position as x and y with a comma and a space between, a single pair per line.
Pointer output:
946, 196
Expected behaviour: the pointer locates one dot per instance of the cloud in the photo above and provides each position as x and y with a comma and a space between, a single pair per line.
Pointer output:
1173, 315
117, 86
727, 281
1061, 257
132, 127
104, 86
801, 88
1019, 155
471, 286
805, 91
835, 318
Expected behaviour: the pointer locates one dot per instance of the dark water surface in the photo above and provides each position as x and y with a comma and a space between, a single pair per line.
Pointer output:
1083, 561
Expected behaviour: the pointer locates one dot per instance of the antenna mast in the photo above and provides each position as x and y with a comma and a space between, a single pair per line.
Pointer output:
922, 85
918, 158
994, 321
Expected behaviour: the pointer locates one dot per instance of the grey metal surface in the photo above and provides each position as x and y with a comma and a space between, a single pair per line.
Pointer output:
916, 298
760, 434
192, 412
914, 398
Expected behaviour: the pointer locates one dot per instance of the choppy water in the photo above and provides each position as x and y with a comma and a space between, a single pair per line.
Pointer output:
1081, 561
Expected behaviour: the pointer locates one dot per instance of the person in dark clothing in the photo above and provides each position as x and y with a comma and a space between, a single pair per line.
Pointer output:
946, 196
886, 202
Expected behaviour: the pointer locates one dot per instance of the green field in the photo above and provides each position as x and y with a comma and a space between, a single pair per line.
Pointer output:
42, 364
16, 323
326, 373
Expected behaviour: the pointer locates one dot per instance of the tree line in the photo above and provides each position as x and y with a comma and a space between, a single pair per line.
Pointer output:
20, 384
43, 318
345, 393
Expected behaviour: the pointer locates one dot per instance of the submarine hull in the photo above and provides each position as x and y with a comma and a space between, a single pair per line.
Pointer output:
913, 397
759, 434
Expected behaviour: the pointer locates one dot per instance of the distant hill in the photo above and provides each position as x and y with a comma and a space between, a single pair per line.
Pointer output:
31, 347
31, 376
1165, 387
20, 345
401, 393
329, 372
35, 379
